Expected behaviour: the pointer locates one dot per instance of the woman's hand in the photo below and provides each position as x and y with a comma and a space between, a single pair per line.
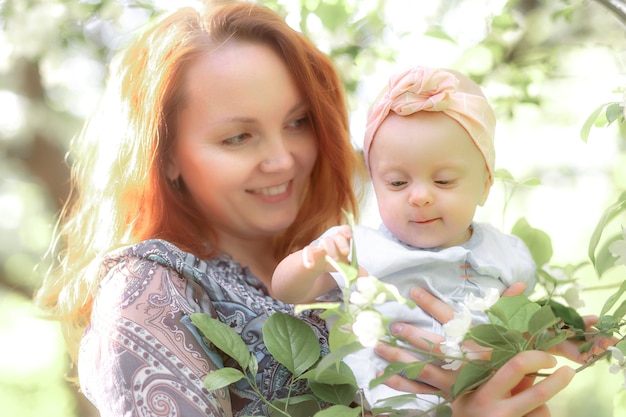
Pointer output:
512, 392
432, 378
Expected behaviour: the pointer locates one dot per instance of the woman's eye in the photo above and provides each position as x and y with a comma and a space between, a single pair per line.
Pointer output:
236, 140
300, 122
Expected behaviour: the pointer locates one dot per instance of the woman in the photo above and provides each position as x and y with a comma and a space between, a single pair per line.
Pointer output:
221, 145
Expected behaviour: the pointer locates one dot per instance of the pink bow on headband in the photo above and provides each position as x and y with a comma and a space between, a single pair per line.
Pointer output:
434, 89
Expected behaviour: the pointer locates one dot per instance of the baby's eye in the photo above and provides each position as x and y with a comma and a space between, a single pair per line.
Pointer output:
397, 184
237, 139
445, 182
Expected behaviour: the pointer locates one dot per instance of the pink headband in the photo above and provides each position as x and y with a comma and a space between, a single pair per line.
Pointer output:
433, 89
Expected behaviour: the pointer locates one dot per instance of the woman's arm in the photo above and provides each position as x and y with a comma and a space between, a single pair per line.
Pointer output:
138, 357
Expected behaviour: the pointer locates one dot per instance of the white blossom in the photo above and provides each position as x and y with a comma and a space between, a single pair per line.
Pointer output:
367, 292
459, 325
619, 364
482, 304
452, 349
455, 331
368, 327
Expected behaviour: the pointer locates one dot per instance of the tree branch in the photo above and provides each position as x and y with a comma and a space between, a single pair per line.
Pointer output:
618, 7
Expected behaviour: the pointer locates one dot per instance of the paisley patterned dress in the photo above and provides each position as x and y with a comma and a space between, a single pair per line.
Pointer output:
142, 356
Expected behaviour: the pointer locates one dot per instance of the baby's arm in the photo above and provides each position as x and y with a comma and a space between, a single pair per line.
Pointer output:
304, 275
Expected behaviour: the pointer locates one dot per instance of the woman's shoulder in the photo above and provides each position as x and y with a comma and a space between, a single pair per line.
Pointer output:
154, 250
140, 275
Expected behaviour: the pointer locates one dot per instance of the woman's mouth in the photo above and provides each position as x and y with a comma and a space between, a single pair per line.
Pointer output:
272, 191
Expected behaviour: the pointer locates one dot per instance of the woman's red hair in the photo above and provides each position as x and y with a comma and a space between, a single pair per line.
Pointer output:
121, 192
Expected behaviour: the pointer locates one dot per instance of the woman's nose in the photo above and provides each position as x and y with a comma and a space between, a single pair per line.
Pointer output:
420, 195
277, 157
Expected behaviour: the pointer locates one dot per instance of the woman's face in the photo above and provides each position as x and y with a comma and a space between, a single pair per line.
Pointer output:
245, 147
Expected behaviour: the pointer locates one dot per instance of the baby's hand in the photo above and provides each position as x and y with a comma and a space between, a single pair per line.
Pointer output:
337, 247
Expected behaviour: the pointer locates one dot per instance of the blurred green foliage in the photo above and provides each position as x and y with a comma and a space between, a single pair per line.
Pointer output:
53, 56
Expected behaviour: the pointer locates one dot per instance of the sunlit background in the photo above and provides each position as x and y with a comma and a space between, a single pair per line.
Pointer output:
545, 65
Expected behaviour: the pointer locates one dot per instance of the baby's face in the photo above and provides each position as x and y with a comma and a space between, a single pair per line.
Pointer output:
428, 177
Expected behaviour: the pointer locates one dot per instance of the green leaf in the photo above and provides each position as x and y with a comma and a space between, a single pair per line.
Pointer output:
298, 406
608, 215
547, 340
340, 374
497, 337
620, 311
614, 111
541, 320
444, 411
221, 378
586, 128
335, 357
411, 370
334, 393
291, 342
504, 175
607, 325
538, 241
337, 337
253, 366
437, 33
223, 337
332, 15
604, 258
338, 411
470, 376
610, 302
351, 223
500, 356
349, 271
513, 312
389, 404
569, 315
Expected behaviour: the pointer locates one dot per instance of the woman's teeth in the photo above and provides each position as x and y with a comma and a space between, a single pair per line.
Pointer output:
270, 191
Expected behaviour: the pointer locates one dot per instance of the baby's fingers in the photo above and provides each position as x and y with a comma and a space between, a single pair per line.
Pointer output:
312, 256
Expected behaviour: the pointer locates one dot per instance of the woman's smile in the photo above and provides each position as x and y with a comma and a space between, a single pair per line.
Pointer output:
273, 193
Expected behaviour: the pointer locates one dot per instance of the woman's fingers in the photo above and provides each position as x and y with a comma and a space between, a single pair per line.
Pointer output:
511, 373
400, 383
516, 289
529, 400
432, 305
511, 392
433, 376
417, 337
510, 377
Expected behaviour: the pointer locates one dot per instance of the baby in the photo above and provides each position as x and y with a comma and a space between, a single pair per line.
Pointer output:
429, 150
